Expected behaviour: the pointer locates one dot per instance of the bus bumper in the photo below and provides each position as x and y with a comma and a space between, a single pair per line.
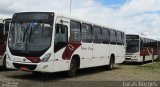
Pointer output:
137, 59
39, 67
9, 64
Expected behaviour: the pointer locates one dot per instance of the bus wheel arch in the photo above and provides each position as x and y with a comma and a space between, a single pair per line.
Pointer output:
77, 58
112, 57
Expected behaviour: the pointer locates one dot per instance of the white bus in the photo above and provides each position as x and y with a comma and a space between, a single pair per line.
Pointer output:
4, 28
48, 42
140, 49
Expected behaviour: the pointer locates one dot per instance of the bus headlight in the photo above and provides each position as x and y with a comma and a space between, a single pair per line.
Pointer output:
46, 57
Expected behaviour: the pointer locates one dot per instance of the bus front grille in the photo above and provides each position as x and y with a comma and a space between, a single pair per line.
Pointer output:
29, 66
127, 58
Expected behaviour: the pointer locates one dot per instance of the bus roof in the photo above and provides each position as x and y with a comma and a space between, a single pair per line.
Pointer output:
84, 20
75, 18
143, 36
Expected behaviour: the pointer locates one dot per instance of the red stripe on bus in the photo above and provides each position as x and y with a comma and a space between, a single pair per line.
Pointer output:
155, 51
147, 51
70, 49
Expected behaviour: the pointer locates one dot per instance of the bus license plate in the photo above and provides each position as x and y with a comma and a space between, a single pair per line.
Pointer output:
24, 69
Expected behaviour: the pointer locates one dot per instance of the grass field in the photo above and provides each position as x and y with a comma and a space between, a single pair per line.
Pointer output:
152, 67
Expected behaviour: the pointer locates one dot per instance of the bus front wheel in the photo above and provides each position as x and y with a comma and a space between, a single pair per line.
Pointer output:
73, 68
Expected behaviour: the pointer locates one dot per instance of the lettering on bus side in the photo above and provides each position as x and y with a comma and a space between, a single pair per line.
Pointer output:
86, 48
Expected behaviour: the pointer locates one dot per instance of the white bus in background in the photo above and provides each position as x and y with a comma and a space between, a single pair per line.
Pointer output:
48, 42
4, 28
140, 49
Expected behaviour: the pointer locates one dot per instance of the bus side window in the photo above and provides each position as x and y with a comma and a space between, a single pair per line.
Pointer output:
119, 38
97, 34
86, 33
61, 37
75, 31
113, 39
1, 33
105, 35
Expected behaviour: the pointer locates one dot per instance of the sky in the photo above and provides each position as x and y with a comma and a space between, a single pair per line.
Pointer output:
131, 16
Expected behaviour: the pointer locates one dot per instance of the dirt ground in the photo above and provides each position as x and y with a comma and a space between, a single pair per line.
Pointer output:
121, 72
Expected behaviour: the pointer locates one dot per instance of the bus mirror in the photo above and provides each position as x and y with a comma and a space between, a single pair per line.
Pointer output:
61, 21
62, 27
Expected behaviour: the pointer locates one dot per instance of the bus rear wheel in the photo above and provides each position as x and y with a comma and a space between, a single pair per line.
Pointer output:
73, 68
111, 64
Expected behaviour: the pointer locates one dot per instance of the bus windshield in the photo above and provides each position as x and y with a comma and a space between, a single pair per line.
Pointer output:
30, 36
30, 33
132, 46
